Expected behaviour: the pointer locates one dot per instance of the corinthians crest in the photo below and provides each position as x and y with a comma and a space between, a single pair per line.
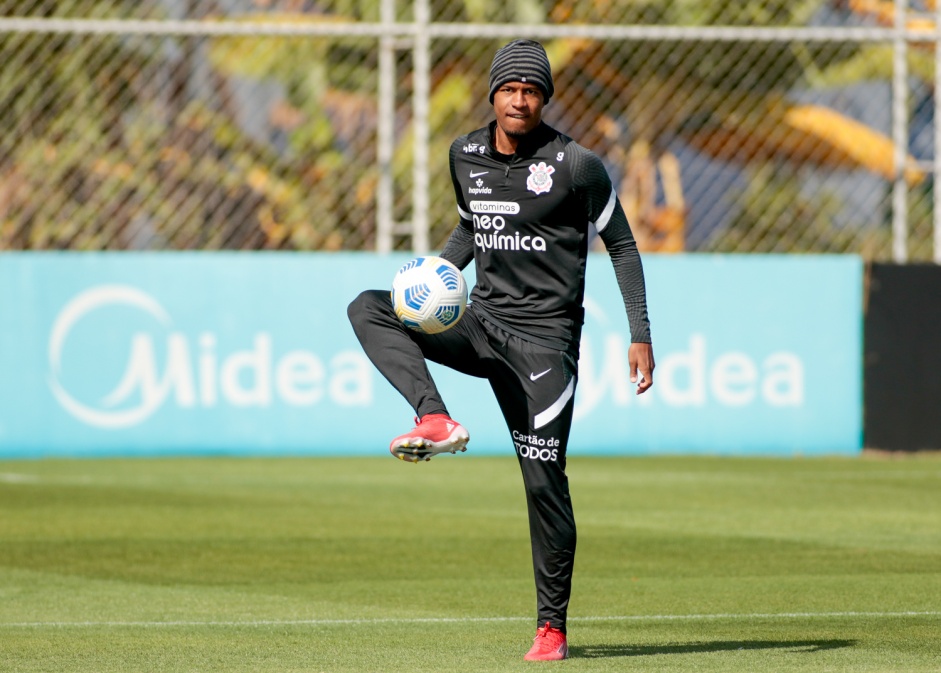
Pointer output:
540, 177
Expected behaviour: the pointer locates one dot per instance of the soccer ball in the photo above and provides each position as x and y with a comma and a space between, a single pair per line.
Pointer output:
429, 294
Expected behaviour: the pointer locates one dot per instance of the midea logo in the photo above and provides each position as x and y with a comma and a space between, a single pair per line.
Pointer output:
199, 377
698, 376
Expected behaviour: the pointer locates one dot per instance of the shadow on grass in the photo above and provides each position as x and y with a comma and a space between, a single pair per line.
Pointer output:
805, 646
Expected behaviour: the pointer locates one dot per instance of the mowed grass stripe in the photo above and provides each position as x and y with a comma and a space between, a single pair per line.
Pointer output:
459, 620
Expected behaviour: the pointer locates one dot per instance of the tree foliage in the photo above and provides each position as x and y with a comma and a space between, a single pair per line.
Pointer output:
114, 142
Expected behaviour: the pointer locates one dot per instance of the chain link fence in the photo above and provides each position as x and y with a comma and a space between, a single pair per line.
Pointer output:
750, 126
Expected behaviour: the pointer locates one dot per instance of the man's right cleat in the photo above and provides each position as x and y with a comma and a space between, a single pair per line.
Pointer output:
549, 645
433, 434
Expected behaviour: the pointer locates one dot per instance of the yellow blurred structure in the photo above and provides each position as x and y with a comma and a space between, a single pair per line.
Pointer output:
883, 11
657, 228
803, 134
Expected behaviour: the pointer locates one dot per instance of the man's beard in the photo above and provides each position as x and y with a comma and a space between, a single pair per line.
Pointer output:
517, 134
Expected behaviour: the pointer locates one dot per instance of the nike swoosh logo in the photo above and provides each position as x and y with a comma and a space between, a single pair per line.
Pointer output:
533, 377
474, 175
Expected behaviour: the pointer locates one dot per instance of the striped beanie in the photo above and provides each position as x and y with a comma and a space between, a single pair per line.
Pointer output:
521, 61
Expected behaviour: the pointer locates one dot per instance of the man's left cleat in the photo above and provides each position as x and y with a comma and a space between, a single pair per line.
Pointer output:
548, 645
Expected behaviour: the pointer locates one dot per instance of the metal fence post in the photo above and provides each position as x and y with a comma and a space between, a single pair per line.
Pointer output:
421, 92
936, 205
385, 130
900, 134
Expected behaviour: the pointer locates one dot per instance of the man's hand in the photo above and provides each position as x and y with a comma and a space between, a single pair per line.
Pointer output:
640, 357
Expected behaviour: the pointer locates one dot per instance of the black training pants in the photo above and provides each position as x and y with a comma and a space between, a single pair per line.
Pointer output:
535, 388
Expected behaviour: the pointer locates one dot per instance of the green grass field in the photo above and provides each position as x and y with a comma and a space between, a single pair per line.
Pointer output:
360, 565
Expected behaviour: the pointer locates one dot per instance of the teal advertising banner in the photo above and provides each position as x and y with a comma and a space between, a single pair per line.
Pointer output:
251, 353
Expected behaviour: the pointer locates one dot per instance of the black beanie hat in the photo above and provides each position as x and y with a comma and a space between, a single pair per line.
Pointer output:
521, 61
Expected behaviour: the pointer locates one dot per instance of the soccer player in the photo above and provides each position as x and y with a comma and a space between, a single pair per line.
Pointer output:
526, 195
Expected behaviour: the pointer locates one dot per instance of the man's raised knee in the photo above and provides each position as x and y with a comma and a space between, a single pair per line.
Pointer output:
361, 305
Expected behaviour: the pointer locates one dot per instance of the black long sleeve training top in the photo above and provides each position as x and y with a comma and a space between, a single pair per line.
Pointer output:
524, 220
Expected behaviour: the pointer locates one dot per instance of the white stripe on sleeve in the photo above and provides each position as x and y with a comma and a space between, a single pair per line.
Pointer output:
605, 216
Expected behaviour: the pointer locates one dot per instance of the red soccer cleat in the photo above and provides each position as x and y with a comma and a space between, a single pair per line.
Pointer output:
433, 434
548, 645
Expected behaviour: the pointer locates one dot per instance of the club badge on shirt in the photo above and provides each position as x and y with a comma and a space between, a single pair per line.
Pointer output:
540, 177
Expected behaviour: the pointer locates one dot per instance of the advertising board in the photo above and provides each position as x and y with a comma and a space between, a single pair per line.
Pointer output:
252, 353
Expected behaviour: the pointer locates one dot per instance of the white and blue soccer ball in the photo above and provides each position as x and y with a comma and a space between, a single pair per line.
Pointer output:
429, 294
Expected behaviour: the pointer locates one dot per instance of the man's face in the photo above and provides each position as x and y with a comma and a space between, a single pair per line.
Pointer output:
518, 107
